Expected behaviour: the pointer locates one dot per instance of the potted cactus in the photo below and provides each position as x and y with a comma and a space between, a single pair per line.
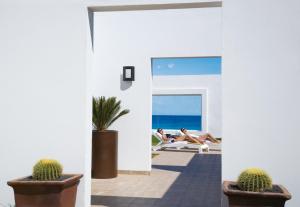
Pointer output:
105, 142
254, 188
46, 187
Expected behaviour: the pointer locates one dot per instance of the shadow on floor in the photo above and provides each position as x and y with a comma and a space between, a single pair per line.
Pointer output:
118, 201
169, 168
198, 185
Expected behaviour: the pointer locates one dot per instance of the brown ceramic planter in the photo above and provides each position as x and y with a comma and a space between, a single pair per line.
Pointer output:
32, 193
105, 154
237, 198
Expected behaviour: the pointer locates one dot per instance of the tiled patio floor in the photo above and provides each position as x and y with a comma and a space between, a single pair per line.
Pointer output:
178, 179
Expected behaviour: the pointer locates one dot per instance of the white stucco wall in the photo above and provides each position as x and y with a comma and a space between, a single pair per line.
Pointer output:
44, 94
44, 103
212, 85
133, 38
261, 81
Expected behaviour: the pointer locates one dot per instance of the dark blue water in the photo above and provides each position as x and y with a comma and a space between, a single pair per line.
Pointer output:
176, 122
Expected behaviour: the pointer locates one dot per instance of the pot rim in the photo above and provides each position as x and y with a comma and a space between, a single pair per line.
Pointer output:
20, 181
105, 131
227, 191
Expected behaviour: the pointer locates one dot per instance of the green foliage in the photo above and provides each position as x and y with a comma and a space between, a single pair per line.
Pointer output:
106, 112
255, 180
155, 141
47, 169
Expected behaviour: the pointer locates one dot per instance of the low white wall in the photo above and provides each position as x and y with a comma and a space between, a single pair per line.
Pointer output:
261, 79
212, 84
44, 102
133, 38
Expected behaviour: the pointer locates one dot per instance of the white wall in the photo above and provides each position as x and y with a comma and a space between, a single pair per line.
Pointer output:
261, 81
44, 101
43, 59
211, 83
132, 38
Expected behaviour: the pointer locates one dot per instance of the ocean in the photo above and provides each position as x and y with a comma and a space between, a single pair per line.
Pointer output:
176, 122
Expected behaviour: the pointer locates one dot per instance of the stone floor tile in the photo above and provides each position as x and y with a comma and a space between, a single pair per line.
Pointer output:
178, 179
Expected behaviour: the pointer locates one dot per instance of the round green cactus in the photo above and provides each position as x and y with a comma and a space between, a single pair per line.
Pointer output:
47, 169
255, 180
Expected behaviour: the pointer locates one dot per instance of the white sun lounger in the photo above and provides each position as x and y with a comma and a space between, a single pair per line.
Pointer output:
179, 145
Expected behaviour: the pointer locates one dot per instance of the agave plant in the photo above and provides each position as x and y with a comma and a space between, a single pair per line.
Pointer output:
106, 112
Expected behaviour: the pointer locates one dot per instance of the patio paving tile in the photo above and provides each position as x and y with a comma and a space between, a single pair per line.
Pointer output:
178, 179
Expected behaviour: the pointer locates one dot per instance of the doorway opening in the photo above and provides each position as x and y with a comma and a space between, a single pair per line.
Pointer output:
132, 36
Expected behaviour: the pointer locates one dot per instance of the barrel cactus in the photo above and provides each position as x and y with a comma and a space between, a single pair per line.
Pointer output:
255, 180
47, 169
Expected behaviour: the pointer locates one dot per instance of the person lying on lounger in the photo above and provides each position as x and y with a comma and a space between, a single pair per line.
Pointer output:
167, 138
201, 138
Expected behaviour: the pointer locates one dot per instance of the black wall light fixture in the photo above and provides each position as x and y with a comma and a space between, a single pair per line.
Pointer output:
128, 73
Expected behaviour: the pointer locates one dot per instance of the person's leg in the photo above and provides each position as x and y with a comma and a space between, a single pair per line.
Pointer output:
211, 138
202, 138
194, 140
187, 138
179, 138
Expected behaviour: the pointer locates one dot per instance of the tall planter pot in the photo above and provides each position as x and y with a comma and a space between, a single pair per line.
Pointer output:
238, 198
105, 154
57, 193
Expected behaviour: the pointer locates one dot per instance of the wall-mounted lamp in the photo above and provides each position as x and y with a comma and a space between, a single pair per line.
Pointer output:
128, 73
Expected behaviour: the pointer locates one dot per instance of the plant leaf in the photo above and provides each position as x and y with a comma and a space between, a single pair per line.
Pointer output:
106, 112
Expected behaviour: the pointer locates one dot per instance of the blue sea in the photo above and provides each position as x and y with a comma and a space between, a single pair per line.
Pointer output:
176, 122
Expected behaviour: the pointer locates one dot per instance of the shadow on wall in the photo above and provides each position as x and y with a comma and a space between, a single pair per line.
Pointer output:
91, 25
124, 85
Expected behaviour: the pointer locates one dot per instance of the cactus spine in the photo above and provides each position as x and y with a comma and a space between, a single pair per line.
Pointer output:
47, 169
255, 180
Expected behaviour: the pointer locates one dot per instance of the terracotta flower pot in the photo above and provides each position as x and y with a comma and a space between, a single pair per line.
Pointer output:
105, 154
238, 198
58, 193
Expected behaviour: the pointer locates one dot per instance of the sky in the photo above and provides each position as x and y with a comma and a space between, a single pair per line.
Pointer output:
176, 105
186, 66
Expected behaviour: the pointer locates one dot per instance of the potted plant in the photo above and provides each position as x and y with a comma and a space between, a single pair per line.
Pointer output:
47, 187
254, 188
105, 142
